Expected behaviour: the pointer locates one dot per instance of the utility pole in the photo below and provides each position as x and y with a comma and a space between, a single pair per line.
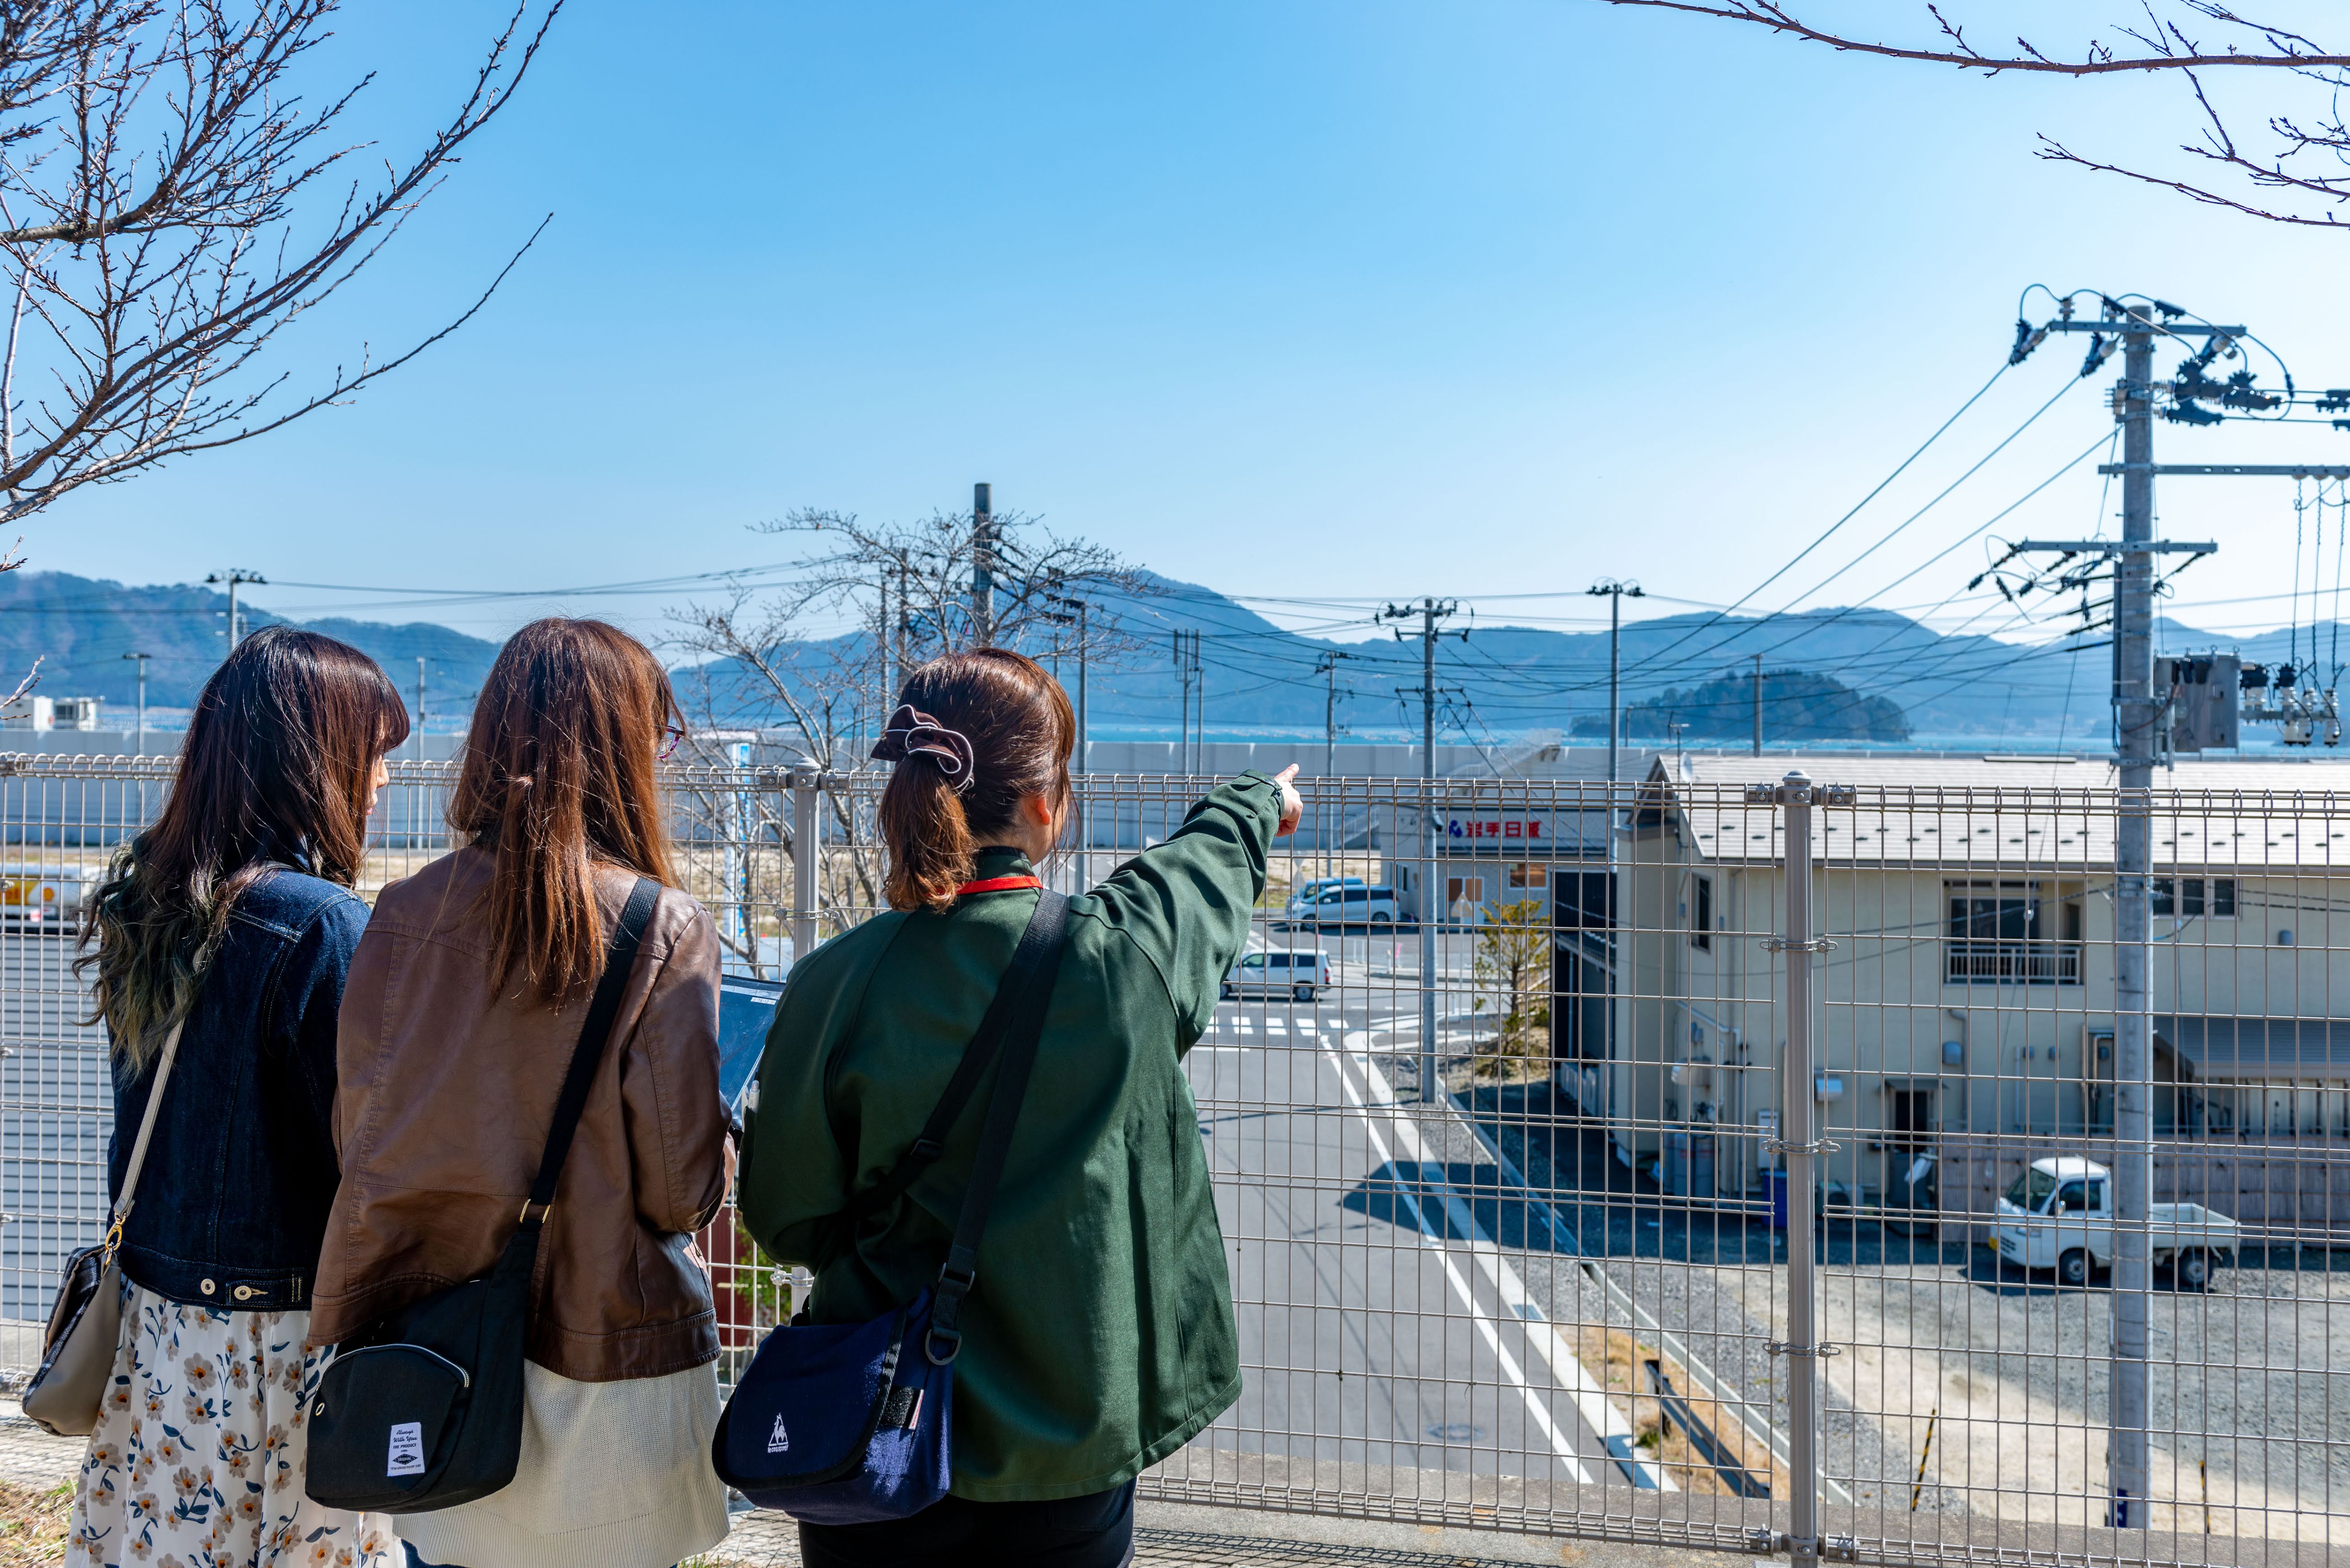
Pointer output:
1758, 704
1329, 667
905, 625
1429, 611
2138, 720
1187, 669
983, 564
142, 659
1615, 591
235, 577
1073, 612
888, 664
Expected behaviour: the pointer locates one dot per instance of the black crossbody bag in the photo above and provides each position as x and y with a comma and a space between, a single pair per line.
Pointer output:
426, 1412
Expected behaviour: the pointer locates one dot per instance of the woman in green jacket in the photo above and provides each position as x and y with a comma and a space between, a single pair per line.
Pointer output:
1099, 1339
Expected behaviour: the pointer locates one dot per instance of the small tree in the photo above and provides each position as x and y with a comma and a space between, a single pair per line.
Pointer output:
1513, 960
905, 591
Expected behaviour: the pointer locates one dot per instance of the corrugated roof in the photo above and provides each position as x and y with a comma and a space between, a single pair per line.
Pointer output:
2012, 814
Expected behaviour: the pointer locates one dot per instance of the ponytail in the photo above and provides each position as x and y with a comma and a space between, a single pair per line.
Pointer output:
929, 836
976, 734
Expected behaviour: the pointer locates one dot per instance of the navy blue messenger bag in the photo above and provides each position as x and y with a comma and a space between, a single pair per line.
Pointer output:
849, 1424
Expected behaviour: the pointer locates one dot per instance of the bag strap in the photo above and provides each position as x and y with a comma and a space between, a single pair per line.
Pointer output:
932, 1140
581, 1074
146, 1132
1024, 1028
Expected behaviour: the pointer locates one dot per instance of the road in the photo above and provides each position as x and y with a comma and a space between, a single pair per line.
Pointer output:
1381, 1325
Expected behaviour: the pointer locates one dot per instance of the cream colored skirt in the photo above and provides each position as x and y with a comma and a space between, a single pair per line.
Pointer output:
613, 1475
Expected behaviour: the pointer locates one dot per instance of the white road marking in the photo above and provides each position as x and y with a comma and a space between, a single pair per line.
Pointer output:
1560, 1442
1566, 1367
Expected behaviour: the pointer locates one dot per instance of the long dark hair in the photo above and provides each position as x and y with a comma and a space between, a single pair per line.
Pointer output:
559, 776
277, 765
1021, 730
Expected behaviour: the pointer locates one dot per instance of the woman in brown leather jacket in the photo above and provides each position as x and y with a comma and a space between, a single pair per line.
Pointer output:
464, 1001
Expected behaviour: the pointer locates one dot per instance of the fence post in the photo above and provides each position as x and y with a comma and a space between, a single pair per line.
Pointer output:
1801, 1147
806, 854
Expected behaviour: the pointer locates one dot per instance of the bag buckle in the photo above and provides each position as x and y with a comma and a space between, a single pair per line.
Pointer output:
928, 1147
930, 1341
957, 1281
527, 1205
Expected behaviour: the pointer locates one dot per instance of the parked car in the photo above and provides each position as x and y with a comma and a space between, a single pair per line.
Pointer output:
42, 898
2060, 1215
1354, 906
1302, 975
1303, 896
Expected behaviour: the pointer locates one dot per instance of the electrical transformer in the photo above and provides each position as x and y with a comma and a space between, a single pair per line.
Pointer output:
2205, 709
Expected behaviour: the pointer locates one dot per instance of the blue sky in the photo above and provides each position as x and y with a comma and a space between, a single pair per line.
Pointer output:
1299, 299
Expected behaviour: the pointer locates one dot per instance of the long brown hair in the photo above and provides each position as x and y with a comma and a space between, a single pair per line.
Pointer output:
278, 765
558, 777
936, 809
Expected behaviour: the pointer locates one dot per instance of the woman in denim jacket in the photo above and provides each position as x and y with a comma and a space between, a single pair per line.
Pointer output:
234, 912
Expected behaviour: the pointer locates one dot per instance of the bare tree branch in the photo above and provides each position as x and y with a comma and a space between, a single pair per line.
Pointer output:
2304, 180
161, 206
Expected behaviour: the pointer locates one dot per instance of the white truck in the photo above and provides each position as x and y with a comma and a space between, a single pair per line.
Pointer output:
2060, 1215
42, 898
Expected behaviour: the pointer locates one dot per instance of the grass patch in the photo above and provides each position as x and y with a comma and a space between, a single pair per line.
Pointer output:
1617, 1360
33, 1523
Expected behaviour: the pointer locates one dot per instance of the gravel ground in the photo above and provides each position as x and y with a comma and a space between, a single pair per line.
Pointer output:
2010, 1369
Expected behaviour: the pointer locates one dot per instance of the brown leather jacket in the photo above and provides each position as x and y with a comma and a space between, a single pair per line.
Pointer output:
447, 1090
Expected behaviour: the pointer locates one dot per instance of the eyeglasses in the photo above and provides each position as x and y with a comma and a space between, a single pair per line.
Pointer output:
673, 737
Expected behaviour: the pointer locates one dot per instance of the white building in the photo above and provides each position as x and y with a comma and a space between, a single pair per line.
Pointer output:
1968, 1009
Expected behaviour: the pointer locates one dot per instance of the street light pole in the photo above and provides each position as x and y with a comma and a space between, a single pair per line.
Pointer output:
142, 659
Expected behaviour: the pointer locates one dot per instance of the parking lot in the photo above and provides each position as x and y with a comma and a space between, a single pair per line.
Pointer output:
2008, 1366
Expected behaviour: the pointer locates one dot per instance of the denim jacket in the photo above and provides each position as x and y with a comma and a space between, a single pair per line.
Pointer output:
241, 1173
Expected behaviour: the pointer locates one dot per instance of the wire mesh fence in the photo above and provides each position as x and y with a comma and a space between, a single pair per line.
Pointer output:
1531, 1182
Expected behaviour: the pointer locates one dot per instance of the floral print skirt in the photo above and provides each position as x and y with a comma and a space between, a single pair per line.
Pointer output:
198, 1457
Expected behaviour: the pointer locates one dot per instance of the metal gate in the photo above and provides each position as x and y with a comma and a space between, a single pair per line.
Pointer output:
1589, 1167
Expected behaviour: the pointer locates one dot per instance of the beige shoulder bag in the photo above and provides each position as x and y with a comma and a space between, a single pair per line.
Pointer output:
86, 1324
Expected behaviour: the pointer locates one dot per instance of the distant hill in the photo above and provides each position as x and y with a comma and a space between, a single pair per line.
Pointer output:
82, 627
1261, 681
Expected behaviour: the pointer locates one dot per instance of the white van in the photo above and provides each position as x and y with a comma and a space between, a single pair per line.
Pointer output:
1302, 975
1303, 896
1356, 906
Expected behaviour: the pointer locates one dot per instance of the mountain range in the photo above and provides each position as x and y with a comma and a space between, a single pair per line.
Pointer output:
1256, 678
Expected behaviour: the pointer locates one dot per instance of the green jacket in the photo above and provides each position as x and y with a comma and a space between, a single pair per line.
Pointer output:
1099, 1339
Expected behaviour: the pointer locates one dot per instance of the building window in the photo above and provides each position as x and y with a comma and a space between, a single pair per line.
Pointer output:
1459, 890
2186, 897
1529, 874
2013, 932
1702, 917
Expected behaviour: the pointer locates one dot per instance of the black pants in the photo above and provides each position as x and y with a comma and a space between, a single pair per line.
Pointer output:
1092, 1531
